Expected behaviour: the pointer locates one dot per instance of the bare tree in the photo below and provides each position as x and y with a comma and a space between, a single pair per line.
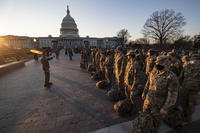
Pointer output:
164, 25
123, 35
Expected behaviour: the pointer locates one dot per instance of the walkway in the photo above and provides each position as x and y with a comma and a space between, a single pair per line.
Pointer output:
73, 104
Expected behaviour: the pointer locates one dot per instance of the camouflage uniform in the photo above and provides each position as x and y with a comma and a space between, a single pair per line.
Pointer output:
176, 66
190, 86
101, 65
84, 59
97, 59
161, 89
129, 76
93, 56
109, 67
117, 92
131, 86
45, 66
138, 84
150, 61
119, 61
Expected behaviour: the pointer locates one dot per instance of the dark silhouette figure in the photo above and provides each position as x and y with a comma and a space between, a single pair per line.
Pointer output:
70, 53
45, 65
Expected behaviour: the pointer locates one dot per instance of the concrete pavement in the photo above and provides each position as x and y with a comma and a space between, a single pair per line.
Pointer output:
72, 104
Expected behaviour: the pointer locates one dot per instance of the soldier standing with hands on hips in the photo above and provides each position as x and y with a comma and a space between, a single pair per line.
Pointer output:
45, 65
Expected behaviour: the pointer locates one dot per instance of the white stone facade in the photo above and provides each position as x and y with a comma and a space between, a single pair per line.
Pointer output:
68, 27
40, 42
17, 42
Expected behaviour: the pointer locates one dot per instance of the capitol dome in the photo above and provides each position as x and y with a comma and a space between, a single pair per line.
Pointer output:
68, 27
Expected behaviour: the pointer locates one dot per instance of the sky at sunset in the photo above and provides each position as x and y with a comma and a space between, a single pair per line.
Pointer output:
96, 18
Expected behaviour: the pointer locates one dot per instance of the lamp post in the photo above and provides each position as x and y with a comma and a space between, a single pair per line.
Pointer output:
35, 42
107, 43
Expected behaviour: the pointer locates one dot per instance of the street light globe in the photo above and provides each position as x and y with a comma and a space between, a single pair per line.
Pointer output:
34, 40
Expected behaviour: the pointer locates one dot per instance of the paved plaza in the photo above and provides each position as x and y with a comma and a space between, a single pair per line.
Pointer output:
72, 105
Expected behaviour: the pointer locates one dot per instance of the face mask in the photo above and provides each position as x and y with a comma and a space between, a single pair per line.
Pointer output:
160, 67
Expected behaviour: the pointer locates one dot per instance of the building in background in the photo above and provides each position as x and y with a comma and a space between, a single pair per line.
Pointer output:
68, 26
69, 37
17, 42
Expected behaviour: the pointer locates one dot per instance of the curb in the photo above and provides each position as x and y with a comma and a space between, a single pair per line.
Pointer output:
10, 67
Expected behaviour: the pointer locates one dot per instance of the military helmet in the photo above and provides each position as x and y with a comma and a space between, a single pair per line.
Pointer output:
130, 53
172, 53
151, 52
109, 52
162, 60
119, 48
103, 51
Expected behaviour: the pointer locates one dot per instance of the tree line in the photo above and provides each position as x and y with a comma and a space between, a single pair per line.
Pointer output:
162, 27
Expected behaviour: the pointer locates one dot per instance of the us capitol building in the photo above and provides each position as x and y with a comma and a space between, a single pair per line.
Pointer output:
69, 37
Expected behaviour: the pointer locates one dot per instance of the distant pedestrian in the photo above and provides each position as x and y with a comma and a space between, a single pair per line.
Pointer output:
36, 57
70, 53
57, 53
45, 65
66, 51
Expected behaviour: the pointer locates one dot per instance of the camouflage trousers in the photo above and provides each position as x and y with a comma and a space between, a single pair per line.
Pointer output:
188, 101
47, 77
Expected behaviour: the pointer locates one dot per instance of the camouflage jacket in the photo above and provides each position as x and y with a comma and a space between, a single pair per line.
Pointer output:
176, 67
123, 67
192, 77
102, 63
109, 63
45, 63
129, 74
161, 90
117, 66
97, 59
150, 61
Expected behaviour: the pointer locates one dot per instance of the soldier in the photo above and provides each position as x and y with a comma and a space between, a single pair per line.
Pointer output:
117, 92
84, 59
97, 59
93, 56
176, 66
101, 64
109, 67
190, 86
57, 52
45, 65
129, 72
150, 61
161, 90
138, 83
36, 57
131, 86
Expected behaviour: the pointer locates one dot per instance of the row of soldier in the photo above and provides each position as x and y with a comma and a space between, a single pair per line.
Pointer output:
159, 85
